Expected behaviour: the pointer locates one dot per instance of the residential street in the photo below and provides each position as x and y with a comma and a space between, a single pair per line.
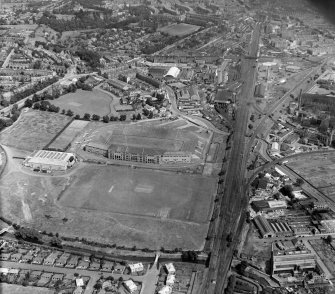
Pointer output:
148, 281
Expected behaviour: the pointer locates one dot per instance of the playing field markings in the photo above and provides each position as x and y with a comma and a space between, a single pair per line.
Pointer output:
111, 189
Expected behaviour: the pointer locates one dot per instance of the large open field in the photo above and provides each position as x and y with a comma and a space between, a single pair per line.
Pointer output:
319, 170
81, 102
33, 130
180, 29
149, 193
116, 205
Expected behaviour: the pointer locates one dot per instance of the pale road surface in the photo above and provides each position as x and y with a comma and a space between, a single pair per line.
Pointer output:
5, 63
148, 280
194, 119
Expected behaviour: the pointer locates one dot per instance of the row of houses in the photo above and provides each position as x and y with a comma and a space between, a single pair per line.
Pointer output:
67, 260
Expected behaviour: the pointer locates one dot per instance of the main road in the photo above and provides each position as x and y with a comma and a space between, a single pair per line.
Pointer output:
233, 201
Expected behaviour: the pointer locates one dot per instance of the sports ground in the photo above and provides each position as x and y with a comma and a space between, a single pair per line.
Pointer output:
114, 205
81, 102
141, 192
180, 29
154, 137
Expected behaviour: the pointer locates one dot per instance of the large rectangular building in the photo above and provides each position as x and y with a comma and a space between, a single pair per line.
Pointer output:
303, 261
264, 227
49, 160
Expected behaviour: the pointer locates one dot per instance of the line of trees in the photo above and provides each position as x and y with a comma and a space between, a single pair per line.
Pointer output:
38, 87
45, 105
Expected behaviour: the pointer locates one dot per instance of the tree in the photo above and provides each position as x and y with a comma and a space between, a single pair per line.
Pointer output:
56, 242
299, 181
96, 117
287, 190
77, 116
4, 103
242, 267
134, 117
146, 112
105, 118
139, 117
15, 116
69, 112
250, 126
28, 103
14, 108
35, 98
276, 196
123, 117
87, 116
150, 115
329, 239
97, 286
36, 106
28, 234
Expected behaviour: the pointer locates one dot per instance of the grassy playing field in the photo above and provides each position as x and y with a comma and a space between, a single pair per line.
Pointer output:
180, 29
112, 205
81, 102
141, 192
33, 130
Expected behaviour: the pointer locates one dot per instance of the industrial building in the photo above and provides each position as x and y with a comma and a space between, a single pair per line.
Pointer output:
264, 227
288, 263
267, 206
281, 228
318, 101
173, 72
49, 160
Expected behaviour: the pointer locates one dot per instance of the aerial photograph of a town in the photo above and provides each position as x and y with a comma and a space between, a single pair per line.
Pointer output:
167, 146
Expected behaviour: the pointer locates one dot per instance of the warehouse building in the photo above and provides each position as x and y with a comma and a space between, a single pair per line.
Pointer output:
264, 227
49, 160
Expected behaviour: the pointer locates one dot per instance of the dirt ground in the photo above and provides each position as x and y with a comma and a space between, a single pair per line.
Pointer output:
319, 170
255, 249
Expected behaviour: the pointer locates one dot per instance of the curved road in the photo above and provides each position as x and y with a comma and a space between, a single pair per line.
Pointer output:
194, 119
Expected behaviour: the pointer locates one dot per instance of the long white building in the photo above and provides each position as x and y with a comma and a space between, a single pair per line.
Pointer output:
49, 160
